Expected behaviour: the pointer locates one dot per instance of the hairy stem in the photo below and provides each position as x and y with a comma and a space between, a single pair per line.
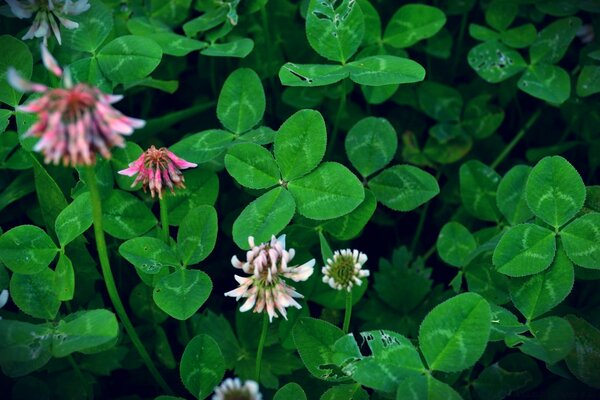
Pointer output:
348, 313
109, 280
261, 345
534, 117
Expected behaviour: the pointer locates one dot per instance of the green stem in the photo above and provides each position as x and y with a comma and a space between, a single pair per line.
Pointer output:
110, 281
164, 220
261, 345
336, 122
348, 312
461, 35
534, 117
420, 225
429, 252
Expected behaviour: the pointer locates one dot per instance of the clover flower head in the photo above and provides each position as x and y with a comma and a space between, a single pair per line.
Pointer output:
75, 121
232, 389
264, 289
47, 12
345, 269
3, 298
156, 167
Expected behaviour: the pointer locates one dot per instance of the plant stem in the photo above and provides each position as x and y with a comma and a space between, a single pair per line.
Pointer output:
348, 312
461, 35
516, 139
336, 122
164, 220
109, 280
261, 345
417, 235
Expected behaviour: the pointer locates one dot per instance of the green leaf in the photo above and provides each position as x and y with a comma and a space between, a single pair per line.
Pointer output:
383, 70
519, 37
328, 192
393, 359
24, 347
588, 82
237, 48
172, 13
87, 70
241, 102
334, 29
84, 330
291, 391
203, 146
413, 23
252, 166
121, 158
480, 118
536, 294
148, 254
65, 278
314, 339
504, 322
499, 380
524, 249
37, 294
74, 219
266, 216
175, 45
425, 387
510, 196
581, 239
14, 54
126, 217
350, 225
404, 187
27, 249
202, 188
202, 366
585, 355
500, 14
206, 21
455, 333
51, 198
182, 293
455, 243
307, 75
555, 192
553, 339
219, 328
482, 33
300, 144
554, 40
494, 62
197, 235
129, 58
440, 102
371, 144
94, 27
546, 82
478, 184
347, 391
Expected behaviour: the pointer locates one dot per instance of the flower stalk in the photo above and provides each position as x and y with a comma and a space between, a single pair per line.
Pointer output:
348, 313
261, 345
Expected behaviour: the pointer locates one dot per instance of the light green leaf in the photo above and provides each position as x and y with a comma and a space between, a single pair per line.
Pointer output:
536, 294
478, 184
74, 220
346, 391
350, 225
14, 54
36, 294
203, 146
455, 333
495, 62
546, 82
500, 14
555, 192
586, 352
300, 144
371, 144
524, 249
252, 166
482, 33
425, 387
504, 322
290, 391
241, 102
202, 366
197, 235
581, 239
129, 58
84, 330
328, 192
455, 243
202, 188
510, 196
404, 187
174, 44
148, 254
87, 70
519, 37
94, 27
182, 293
65, 278
334, 29
266, 216
126, 217
291, 74
554, 40
173, 12
27, 249
237, 48
413, 23
383, 70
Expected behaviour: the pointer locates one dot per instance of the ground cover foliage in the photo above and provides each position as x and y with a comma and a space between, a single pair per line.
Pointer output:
456, 143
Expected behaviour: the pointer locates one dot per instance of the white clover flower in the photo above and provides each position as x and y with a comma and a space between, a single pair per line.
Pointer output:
345, 270
265, 289
47, 12
3, 298
232, 389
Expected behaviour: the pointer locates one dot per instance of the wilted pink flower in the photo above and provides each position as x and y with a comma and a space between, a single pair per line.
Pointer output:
232, 389
265, 288
46, 13
155, 167
345, 269
75, 122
